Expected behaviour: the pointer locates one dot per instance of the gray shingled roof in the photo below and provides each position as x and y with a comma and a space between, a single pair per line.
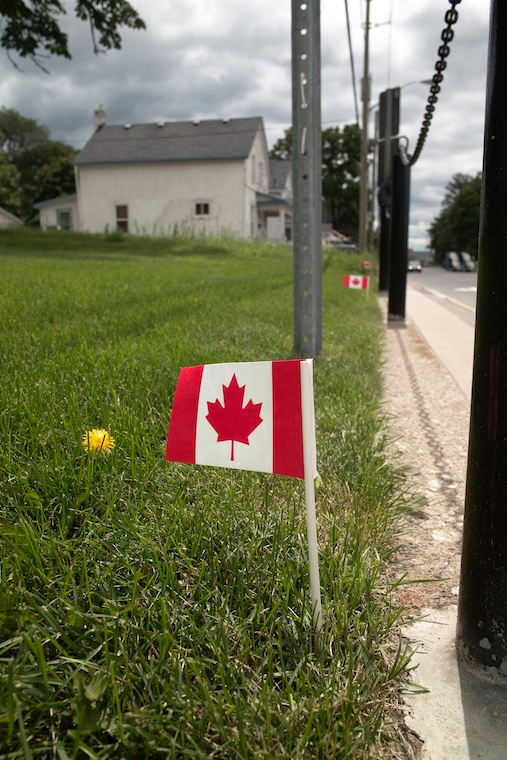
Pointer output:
171, 141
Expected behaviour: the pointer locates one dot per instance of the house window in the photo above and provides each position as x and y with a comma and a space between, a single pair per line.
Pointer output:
253, 170
122, 218
202, 209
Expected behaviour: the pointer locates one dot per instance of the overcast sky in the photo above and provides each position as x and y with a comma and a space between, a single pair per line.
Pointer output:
232, 58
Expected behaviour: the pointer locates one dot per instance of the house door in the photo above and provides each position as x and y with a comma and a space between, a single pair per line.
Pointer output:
64, 218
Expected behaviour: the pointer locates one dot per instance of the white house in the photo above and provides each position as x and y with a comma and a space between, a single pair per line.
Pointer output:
9, 220
209, 177
59, 213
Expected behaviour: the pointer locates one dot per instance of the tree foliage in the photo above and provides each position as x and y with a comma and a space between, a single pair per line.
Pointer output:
282, 149
46, 171
341, 150
9, 187
340, 173
456, 228
32, 29
18, 134
33, 167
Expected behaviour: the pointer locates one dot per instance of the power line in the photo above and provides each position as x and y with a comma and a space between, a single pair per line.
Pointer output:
390, 45
354, 87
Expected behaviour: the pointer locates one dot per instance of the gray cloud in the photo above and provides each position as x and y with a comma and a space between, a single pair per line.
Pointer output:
230, 58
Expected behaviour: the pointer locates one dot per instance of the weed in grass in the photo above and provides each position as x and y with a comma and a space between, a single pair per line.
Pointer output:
157, 610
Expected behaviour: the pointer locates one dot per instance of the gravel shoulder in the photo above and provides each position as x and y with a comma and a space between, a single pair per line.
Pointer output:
429, 423
429, 420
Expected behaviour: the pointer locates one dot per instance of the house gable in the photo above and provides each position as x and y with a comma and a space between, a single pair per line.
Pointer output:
9, 220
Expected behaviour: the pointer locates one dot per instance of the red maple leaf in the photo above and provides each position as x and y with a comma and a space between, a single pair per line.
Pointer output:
233, 421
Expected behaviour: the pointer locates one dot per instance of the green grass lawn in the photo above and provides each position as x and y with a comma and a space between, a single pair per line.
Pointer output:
156, 610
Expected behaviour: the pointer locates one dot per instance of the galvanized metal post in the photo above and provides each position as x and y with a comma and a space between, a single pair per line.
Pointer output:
400, 208
482, 610
307, 177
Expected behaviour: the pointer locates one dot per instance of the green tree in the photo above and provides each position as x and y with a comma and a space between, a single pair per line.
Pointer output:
456, 228
33, 167
18, 134
46, 171
282, 149
10, 196
32, 30
341, 149
340, 173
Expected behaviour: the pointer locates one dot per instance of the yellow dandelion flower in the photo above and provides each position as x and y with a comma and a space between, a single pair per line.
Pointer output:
98, 440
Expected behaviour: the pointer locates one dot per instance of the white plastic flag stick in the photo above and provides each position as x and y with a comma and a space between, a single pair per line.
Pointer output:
308, 413
203, 431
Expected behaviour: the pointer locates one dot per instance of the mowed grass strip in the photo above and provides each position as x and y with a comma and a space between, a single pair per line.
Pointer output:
156, 610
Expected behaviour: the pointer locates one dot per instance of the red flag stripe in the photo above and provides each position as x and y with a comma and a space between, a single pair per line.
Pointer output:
181, 438
287, 419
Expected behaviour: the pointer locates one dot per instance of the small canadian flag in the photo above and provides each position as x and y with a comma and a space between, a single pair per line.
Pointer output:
245, 415
252, 416
358, 281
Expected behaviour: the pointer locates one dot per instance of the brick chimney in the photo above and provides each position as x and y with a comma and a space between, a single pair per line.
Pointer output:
99, 117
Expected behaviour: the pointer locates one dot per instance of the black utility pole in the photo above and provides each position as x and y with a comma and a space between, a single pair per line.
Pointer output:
389, 126
307, 177
482, 611
400, 214
384, 202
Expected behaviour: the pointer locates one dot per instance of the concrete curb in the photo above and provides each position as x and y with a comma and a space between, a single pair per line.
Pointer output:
460, 716
457, 714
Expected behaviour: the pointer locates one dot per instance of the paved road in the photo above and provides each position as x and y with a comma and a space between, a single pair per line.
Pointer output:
455, 291
459, 286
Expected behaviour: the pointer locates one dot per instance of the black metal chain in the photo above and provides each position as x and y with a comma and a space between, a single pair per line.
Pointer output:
451, 17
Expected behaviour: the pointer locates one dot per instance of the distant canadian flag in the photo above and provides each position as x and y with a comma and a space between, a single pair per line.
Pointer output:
359, 281
246, 415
